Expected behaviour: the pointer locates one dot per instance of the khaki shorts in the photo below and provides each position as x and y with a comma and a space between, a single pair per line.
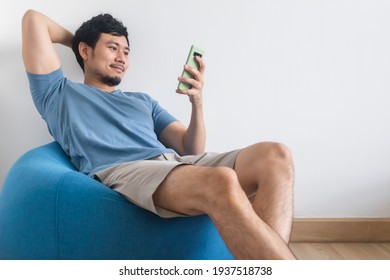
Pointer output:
137, 181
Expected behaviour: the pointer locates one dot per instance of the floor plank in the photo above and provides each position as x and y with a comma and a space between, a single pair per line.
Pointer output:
386, 246
341, 251
315, 251
362, 251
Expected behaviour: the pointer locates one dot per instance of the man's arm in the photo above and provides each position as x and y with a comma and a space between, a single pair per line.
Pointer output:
38, 35
191, 140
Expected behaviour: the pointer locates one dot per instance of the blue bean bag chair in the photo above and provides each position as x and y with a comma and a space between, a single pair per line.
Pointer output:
48, 210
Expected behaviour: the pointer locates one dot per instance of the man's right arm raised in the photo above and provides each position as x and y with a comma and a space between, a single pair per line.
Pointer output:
39, 33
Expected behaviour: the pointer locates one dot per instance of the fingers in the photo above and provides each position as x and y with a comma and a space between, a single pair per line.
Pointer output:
197, 80
197, 73
202, 65
194, 84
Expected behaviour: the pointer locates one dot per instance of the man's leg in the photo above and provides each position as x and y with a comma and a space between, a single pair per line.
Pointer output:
265, 170
217, 192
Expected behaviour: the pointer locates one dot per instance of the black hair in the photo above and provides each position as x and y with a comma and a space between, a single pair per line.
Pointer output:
89, 32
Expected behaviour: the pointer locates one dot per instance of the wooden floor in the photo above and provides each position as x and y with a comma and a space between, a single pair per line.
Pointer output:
341, 251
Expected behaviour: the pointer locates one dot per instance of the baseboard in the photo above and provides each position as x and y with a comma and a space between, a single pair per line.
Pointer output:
341, 230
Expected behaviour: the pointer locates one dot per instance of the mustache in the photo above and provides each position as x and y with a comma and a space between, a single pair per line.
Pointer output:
118, 65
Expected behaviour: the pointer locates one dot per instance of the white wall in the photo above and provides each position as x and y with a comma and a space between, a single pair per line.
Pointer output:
311, 74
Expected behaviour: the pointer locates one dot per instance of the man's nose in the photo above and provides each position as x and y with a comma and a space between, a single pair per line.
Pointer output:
121, 57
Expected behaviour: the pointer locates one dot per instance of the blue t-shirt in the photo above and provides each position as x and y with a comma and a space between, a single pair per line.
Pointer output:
97, 129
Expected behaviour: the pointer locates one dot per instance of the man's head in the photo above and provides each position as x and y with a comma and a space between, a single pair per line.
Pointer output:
97, 32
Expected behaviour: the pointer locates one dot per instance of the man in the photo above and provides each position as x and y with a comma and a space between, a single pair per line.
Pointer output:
137, 148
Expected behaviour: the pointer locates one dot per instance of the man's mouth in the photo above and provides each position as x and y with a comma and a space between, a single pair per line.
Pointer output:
118, 67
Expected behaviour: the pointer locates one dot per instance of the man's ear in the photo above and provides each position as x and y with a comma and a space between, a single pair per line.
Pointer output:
84, 50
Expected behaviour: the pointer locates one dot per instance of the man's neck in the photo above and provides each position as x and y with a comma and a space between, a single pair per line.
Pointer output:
98, 84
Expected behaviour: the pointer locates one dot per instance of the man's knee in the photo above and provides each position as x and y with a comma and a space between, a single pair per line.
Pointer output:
273, 153
222, 179
265, 161
280, 152
223, 187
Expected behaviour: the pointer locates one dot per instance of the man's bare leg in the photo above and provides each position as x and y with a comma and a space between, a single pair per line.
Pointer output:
217, 192
265, 170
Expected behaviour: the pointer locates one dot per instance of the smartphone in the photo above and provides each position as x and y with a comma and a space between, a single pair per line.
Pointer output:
194, 51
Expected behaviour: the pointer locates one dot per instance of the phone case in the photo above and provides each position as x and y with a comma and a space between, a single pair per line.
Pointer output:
194, 51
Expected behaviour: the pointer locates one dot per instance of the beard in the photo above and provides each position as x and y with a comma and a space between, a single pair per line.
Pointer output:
110, 80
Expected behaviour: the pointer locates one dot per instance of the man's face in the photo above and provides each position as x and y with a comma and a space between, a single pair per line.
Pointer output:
109, 60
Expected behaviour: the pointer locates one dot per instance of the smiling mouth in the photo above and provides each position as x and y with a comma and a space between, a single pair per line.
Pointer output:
118, 67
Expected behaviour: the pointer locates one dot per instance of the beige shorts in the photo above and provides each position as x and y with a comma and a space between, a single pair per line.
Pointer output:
137, 181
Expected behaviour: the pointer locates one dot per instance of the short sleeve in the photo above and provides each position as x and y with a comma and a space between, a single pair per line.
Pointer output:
161, 117
44, 88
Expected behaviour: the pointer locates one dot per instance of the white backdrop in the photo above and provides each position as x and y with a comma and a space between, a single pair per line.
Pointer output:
313, 75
